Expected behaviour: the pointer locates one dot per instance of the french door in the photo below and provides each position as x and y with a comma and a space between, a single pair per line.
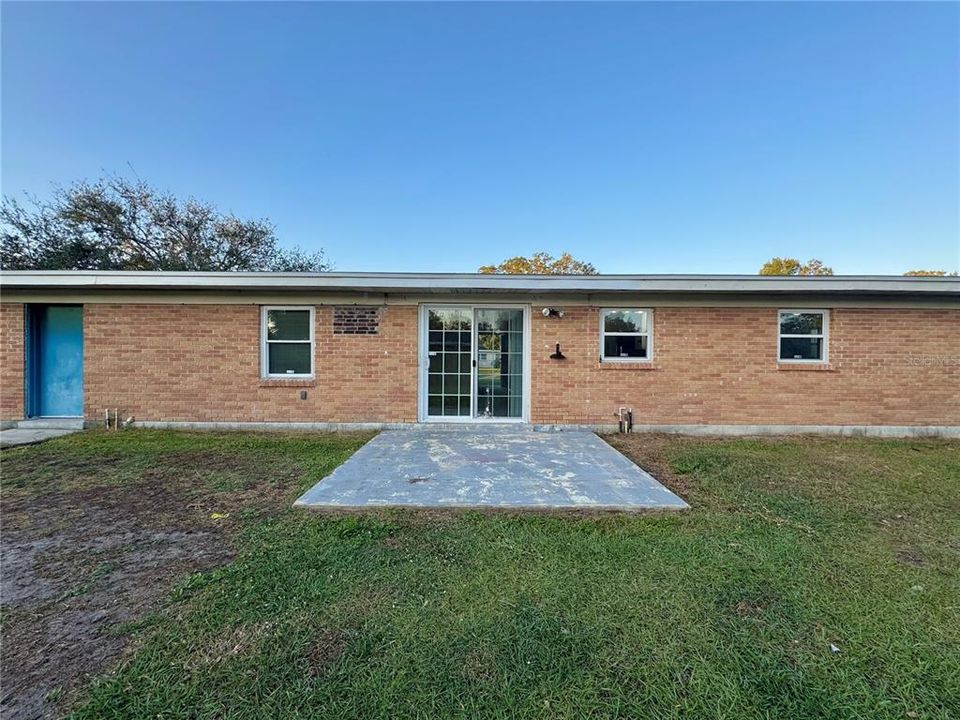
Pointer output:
473, 363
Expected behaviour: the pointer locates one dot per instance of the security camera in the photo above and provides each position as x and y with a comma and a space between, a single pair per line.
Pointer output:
552, 312
546, 312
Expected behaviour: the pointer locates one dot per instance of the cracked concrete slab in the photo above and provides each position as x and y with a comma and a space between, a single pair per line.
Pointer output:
505, 468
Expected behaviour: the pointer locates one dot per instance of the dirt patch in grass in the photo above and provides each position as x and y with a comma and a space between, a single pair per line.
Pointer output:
745, 608
649, 451
325, 650
912, 557
80, 563
479, 666
391, 542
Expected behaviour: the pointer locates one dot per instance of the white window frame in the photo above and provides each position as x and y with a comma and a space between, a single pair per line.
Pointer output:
824, 335
648, 335
264, 342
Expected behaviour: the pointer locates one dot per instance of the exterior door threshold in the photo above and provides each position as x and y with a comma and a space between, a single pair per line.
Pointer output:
472, 426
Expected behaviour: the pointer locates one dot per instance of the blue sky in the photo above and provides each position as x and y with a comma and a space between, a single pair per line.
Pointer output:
640, 137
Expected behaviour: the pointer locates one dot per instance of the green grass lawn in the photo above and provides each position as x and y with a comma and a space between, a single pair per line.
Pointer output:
726, 611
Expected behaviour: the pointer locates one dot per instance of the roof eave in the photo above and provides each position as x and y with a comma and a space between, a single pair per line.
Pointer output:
477, 283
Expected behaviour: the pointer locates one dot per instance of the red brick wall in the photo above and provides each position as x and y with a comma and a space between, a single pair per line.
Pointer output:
11, 361
710, 366
719, 366
202, 363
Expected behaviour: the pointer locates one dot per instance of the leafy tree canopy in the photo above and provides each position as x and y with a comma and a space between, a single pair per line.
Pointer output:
930, 273
541, 263
120, 224
792, 266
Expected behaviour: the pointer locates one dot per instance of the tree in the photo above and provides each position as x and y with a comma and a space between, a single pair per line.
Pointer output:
120, 224
929, 273
541, 263
792, 266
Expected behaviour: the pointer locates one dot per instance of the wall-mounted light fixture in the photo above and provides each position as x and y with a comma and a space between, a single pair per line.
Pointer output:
553, 312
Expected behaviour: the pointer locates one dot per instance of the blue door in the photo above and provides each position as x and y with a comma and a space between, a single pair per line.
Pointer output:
58, 361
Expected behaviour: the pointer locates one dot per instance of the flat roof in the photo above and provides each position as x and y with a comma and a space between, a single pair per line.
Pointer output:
475, 282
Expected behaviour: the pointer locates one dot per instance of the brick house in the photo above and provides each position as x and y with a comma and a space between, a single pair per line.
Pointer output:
736, 354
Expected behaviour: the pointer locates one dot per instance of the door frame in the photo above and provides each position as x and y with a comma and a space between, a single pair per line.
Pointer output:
423, 363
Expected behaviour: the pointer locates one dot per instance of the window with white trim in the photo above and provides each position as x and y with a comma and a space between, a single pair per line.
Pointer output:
802, 335
286, 341
625, 335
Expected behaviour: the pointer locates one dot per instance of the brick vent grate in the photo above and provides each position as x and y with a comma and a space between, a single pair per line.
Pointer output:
356, 320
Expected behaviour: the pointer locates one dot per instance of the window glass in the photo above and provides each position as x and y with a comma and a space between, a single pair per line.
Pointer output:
802, 335
288, 325
625, 321
288, 358
499, 321
451, 341
288, 348
451, 405
801, 323
625, 335
625, 346
801, 348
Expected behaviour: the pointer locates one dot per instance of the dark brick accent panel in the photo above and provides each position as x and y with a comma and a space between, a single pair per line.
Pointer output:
353, 320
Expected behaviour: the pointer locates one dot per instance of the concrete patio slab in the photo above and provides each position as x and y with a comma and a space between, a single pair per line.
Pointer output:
502, 468
29, 436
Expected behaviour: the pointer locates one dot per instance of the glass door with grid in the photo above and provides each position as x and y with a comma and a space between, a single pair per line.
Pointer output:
450, 362
499, 389
474, 363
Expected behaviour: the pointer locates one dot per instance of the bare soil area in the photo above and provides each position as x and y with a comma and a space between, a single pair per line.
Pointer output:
80, 564
649, 451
